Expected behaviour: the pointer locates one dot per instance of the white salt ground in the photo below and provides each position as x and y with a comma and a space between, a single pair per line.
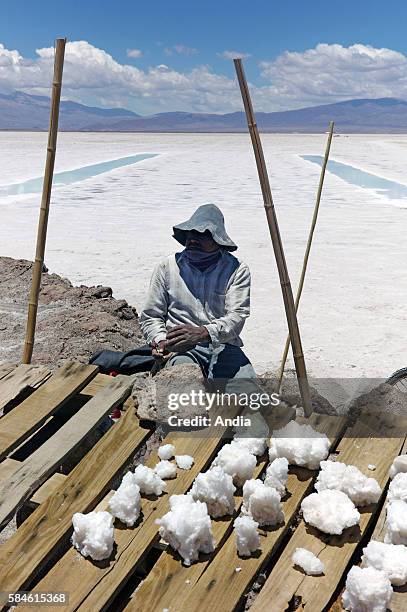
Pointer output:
216, 489
165, 469
247, 536
398, 487
184, 462
361, 489
187, 528
300, 444
166, 451
262, 503
126, 502
148, 481
236, 461
330, 511
398, 466
396, 522
309, 562
277, 475
367, 590
388, 558
93, 534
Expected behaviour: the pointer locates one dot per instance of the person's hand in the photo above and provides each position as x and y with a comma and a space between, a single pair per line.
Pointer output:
184, 337
159, 351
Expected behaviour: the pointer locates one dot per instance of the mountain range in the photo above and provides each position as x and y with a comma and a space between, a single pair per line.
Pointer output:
21, 111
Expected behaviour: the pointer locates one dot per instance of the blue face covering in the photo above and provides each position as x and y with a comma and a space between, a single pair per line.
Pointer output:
201, 259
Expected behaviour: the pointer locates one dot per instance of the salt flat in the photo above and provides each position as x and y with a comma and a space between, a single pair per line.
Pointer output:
114, 227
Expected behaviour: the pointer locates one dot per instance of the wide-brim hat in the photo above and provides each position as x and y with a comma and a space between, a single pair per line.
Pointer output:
206, 217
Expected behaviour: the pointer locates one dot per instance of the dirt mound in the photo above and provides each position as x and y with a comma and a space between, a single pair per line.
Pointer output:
72, 323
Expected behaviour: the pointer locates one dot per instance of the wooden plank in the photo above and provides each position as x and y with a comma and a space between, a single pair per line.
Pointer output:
220, 586
31, 546
90, 584
8, 467
40, 464
50, 486
399, 599
6, 367
315, 592
169, 580
27, 417
19, 380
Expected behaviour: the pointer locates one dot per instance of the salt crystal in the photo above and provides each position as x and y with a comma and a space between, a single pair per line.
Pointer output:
361, 489
255, 446
148, 481
262, 503
367, 590
165, 469
236, 461
187, 528
126, 502
184, 462
371, 467
330, 511
300, 444
93, 534
247, 536
309, 562
396, 522
216, 489
398, 466
277, 475
238, 569
388, 558
398, 487
166, 451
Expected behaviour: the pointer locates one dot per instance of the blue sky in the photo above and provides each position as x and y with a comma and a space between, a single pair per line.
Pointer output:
178, 59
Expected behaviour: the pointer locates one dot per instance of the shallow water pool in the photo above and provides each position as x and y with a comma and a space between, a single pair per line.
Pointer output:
72, 176
360, 178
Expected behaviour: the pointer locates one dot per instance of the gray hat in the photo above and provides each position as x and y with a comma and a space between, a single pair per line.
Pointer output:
206, 217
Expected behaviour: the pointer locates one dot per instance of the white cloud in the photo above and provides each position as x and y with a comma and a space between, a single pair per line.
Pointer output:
230, 55
321, 75
331, 73
181, 50
134, 53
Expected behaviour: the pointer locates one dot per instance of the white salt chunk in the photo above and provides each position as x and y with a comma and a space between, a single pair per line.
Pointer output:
330, 511
371, 467
126, 502
166, 451
367, 590
398, 487
300, 444
361, 489
262, 503
216, 489
184, 462
309, 562
398, 466
187, 528
236, 461
93, 534
255, 446
165, 469
396, 522
148, 481
247, 536
388, 558
277, 475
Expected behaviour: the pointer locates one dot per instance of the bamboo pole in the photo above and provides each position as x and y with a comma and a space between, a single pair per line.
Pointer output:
276, 242
308, 248
45, 200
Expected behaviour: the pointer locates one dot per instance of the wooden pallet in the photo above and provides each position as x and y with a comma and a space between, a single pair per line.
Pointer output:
143, 574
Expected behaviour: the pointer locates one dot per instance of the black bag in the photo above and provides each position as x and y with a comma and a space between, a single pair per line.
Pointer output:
137, 360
